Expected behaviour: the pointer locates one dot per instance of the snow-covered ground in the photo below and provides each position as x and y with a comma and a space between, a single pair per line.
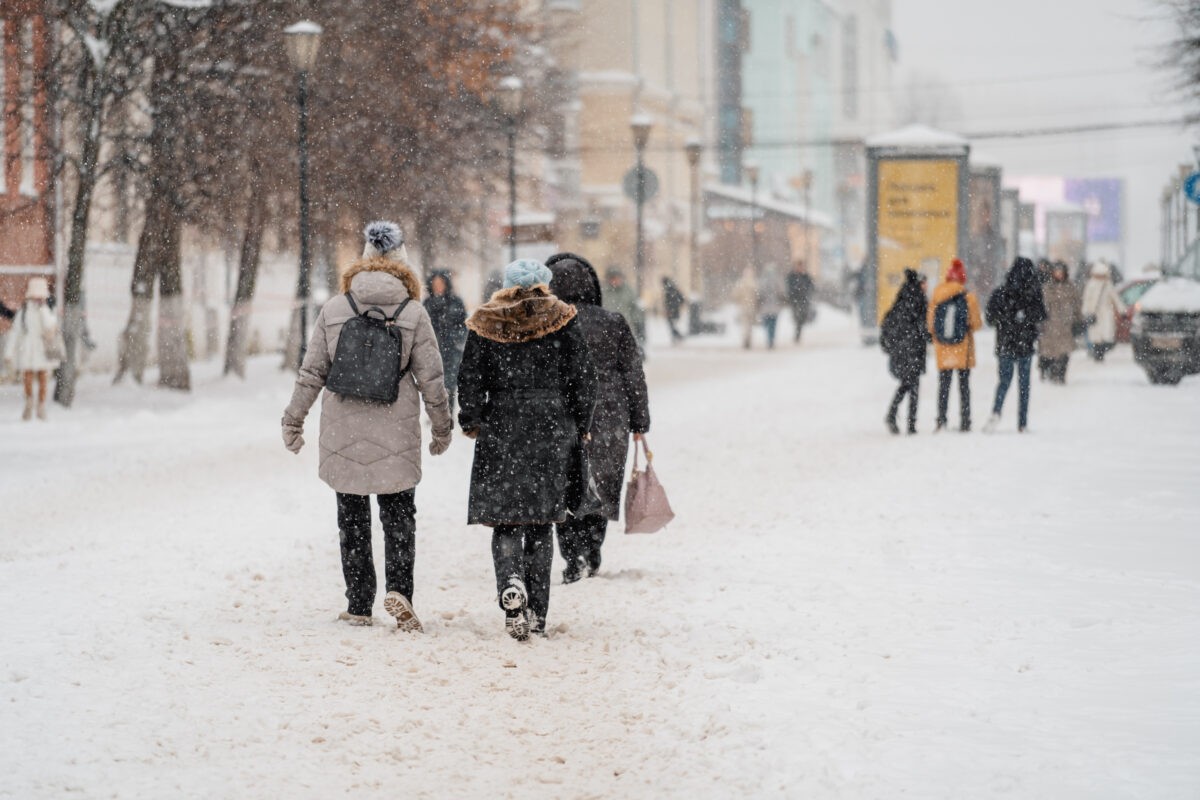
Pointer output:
837, 613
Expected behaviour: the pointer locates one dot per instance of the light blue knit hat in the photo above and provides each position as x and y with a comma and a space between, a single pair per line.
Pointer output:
526, 273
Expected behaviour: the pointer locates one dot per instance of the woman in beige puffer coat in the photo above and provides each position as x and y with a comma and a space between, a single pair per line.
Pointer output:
370, 448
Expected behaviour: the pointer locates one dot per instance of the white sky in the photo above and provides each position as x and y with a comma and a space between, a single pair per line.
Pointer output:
1038, 63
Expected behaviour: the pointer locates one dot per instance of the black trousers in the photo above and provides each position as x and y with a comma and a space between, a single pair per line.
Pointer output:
582, 538
397, 513
909, 389
964, 395
525, 552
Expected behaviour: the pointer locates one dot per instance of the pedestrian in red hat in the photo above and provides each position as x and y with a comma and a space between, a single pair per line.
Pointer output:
953, 319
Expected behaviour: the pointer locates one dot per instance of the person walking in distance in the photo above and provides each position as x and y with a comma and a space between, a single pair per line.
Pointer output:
1101, 305
745, 296
1016, 310
448, 315
34, 345
771, 298
673, 303
799, 296
903, 336
527, 388
622, 408
1063, 319
953, 318
622, 298
370, 447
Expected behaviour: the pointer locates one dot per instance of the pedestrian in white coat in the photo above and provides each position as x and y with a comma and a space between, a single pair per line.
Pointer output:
34, 344
1100, 307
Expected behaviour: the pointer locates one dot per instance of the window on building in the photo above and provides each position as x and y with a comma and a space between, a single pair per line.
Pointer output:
850, 67
3, 115
27, 102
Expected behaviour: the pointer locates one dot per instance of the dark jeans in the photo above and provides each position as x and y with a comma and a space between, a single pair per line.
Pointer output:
964, 395
582, 538
397, 513
910, 390
769, 322
1022, 366
525, 552
800, 315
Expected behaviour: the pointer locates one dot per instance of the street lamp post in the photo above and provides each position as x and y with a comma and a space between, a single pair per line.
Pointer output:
302, 40
640, 125
752, 172
510, 100
694, 148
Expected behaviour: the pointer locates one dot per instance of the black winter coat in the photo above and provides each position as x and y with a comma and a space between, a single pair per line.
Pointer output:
622, 404
1016, 310
530, 403
449, 317
799, 290
904, 334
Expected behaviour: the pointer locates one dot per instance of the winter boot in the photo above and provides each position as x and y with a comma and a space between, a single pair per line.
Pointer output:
574, 570
537, 625
513, 600
890, 421
41, 412
399, 607
27, 414
990, 425
593, 562
357, 620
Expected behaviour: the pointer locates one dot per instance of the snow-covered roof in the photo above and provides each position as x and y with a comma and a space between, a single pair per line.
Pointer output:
984, 160
1172, 295
305, 27
795, 210
918, 137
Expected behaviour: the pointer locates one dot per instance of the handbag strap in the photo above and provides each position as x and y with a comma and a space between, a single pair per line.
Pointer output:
637, 450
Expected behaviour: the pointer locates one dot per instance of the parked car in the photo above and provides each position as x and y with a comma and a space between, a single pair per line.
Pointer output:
1130, 293
1166, 330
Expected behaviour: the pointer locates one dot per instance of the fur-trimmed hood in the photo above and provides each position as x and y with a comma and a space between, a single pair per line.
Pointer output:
521, 315
396, 269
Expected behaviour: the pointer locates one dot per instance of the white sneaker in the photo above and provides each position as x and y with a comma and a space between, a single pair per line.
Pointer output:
990, 425
398, 606
513, 600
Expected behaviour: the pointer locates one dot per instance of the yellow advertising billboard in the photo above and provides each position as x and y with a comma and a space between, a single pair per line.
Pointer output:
918, 215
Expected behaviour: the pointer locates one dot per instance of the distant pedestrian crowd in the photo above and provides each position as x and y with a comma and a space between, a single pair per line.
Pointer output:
1036, 311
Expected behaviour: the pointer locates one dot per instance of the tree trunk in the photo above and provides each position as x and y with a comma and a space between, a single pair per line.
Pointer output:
133, 348
239, 319
68, 372
173, 369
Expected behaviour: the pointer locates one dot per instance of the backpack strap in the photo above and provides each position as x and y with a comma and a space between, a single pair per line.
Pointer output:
353, 305
396, 316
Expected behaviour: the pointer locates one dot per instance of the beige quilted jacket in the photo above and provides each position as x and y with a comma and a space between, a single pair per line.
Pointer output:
368, 448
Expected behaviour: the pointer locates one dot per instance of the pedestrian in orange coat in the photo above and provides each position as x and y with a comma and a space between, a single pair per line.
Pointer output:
953, 318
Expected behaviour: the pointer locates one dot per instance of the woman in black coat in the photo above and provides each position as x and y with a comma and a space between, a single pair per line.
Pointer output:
449, 318
1016, 310
904, 336
527, 388
622, 408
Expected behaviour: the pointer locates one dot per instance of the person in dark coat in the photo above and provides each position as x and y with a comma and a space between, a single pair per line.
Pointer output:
1016, 310
799, 295
673, 302
527, 387
449, 317
904, 336
622, 408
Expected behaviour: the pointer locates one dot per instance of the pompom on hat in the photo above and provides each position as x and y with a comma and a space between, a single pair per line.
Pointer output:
957, 272
384, 239
526, 273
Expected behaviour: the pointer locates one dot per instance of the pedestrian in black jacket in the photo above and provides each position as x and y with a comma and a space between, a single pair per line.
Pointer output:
527, 388
622, 408
904, 336
673, 302
449, 317
1016, 310
799, 295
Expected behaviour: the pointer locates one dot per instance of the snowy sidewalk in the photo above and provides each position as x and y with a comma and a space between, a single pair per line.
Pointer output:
836, 613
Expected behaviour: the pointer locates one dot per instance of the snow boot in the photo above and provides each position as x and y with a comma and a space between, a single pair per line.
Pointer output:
513, 600
27, 414
890, 421
399, 607
537, 625
41, 412
574, 571
357, 620
990, 425
593, 563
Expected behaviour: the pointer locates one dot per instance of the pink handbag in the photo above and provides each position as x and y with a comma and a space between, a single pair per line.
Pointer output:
647, 509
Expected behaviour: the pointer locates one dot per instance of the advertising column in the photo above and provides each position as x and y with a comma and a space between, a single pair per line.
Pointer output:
917, 216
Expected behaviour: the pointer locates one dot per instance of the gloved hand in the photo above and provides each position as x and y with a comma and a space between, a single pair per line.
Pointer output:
440, 442
293, 438
471, 434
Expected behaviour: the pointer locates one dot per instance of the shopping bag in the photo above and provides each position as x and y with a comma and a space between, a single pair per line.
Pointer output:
647, 509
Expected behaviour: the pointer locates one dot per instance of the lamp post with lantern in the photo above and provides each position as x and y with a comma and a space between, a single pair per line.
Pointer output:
752, 173
693, 148
511, 90
640, 125
303, 40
